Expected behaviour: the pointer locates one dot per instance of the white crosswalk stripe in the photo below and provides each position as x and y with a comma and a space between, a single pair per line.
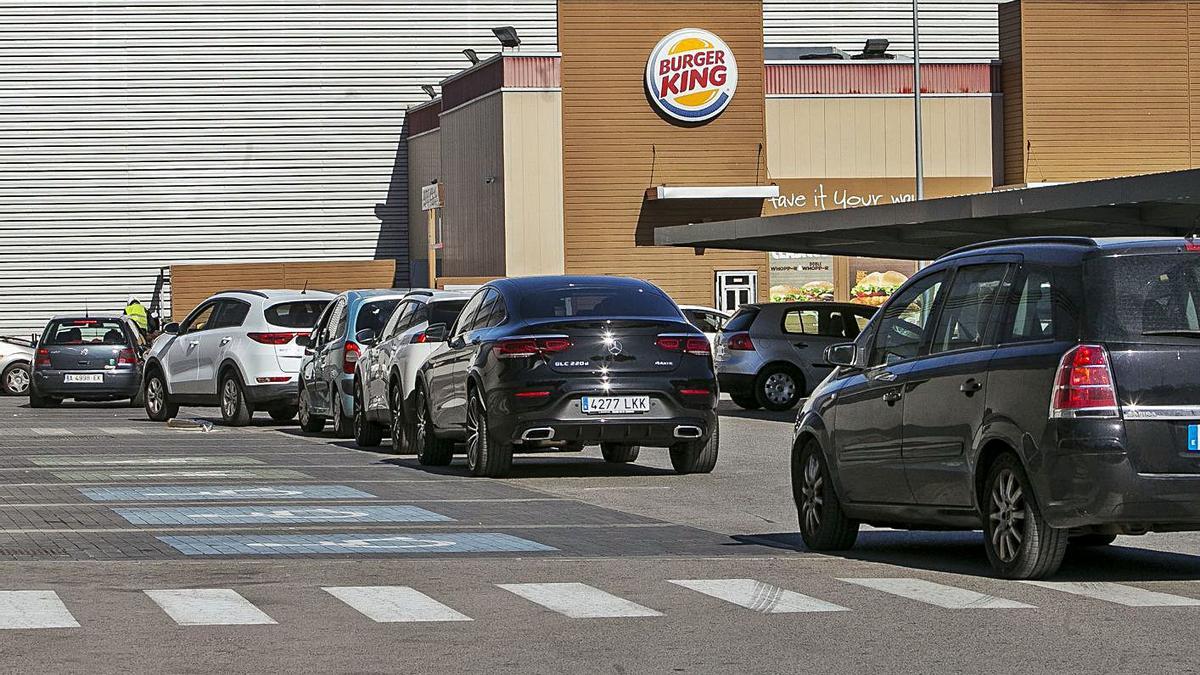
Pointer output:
1130, 596
390, 604
208, 607
939, 595
758, 596
578, 601
120, 431
50, 431
34, 609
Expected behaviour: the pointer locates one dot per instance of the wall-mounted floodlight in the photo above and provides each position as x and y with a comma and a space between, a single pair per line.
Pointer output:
428, 89
471, 56
876, 48
507, 35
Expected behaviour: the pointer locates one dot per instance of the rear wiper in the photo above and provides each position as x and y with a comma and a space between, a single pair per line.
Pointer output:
1181, 332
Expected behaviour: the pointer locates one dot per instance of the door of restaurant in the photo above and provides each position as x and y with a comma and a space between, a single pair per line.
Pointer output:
736, 288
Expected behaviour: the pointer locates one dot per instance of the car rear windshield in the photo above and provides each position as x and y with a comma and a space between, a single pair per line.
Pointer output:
445, 311
296, 314
597, 301
741, 320
1146, 298
63, 332
374, 315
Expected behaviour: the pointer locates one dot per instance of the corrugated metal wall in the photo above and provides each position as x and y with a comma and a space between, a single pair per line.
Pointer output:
135, 135
950, 29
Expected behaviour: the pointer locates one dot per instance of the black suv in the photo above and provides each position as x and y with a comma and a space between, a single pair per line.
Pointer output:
1044, 389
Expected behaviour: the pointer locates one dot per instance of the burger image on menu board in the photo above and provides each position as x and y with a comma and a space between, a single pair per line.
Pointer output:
876, 288
813, 291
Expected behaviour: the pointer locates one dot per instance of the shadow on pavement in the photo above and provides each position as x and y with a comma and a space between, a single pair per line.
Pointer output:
962, 553
540, 467
728, 409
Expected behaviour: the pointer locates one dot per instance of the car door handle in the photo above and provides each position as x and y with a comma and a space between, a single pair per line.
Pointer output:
225, 341
885, 376
970, 386
892, 397
801, 345
193, 343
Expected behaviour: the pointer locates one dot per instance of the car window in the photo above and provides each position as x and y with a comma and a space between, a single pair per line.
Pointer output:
499, 312
596, 301
467, 317
338, 321
229, 314
968, 307
483, 317
444, 311
400, 320
905, 318
1031, 307
741, 320
302, 314
374, 315
199, 319
823, 322
707, 322
86, 332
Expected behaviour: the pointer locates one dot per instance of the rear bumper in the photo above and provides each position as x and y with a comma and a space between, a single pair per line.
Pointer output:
277, 394
123, 383
736, 383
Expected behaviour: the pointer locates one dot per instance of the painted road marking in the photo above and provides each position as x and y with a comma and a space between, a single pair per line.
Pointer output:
46, 431
208, 607
282, 514
299, 544
578, 601
120, 431
171, 493
140, 460
938, 594
34, 609
758, 596
161, 474
1130, 596
391, 604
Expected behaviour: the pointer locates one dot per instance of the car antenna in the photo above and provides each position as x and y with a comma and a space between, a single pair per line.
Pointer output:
86, 312
305, 289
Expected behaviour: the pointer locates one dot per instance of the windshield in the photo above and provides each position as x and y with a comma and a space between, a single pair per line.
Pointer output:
1146, 298
374, 314
63, 332
299, 314
596, 301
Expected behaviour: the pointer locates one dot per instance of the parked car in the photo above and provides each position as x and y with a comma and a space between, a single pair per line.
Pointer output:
386, 373
710, 321
542, 363
16, 359
331, 352
236, 350
87, 358
770, 355
1039, 389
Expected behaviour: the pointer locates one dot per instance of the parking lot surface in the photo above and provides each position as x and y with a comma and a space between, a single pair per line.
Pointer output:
129, 546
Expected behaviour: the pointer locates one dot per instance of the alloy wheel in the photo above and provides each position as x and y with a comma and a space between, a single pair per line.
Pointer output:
304, 411
422, 416
1007, 514
154, 395
473, 433
336, 405
229, 398
396, 404
17, 381
811, 500
779, 388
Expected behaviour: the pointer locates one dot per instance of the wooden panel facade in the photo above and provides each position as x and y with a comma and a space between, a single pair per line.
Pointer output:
615, 145
472, 170
533, 183
1010, 84
424, 166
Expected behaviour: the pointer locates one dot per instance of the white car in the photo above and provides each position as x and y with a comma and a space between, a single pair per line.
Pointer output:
15, 358
236, 350
710, 321
386, 373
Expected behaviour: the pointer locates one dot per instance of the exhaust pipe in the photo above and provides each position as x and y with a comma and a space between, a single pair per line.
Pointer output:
688, 431
538, 434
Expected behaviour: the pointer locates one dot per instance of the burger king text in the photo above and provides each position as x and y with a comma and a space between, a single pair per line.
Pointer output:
691, 75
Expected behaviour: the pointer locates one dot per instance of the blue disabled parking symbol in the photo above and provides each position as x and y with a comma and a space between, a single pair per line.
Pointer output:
360, 543
230, 515
169, 493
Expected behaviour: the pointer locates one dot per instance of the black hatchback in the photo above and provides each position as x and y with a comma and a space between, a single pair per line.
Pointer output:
555, 363
1044, 390
87, 358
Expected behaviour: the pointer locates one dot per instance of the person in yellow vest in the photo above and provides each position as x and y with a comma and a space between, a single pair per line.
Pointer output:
135, 311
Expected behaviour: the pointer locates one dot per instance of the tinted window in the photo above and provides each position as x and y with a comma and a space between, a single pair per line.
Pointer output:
707, 322
86, 332
374, 315
483, 318
444, 311
1031, 307
1147, 298
826, 322
467, 318
200, 320
741, 320
297, 314
903, 326
229, 314
596, 301
400, 320
965, 313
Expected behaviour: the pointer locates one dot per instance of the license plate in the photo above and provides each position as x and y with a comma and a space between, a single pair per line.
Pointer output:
1194, 438
615, 405
97, 378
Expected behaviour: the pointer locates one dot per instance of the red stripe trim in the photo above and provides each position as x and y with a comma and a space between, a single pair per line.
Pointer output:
880, 78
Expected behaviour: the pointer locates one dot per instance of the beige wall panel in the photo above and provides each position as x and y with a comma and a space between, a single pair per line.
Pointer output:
472, 140
424, 165
533, 183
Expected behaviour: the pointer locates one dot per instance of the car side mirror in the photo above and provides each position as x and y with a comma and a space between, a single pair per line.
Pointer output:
304, 341
365, 337
436, 332
841, 355
171, 328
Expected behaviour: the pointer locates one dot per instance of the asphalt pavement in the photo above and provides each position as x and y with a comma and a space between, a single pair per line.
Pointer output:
128, 546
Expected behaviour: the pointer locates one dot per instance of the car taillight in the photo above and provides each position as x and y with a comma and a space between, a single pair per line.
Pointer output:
1084, 384
419, 338
42, 358
682, 343
349, 357
740, 342
695, 392
519, 348
127, 357
271, 338
533, 393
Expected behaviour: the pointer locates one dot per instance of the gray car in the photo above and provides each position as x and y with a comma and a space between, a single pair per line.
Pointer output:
771, 355
87, 358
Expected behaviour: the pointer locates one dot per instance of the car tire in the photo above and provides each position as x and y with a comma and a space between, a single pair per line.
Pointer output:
156, 398
283, 413
343, 426
1019, 542
236, 410
367, 434
309, 422
431, 450
15, 379
36, 400
824, 526
746, 401
778, 387
1091, 540
401, 431
487, 455
697, 456
619, 453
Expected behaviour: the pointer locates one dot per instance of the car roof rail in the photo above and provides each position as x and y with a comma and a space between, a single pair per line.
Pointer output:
242, 290
995, 243
420, 291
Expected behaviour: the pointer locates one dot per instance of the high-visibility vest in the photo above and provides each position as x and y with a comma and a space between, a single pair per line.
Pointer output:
135, 311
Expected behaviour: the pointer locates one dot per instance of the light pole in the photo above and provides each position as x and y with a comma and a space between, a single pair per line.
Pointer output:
916, 12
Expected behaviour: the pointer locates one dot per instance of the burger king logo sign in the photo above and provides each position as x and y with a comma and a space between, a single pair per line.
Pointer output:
691, 75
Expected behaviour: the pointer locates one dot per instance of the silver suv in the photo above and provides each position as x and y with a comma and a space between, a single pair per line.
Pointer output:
238, 350
771, 355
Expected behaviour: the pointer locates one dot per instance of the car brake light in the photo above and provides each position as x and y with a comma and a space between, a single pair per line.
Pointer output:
518, 348
349, 357
683, 343
127, 357
740, 342
535, 393
271, 338
42, 358
1190, 244
419, 338
272, 380
695, 392
1084, 384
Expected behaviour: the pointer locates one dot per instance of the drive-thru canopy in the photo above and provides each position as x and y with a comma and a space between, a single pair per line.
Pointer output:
1161, 204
